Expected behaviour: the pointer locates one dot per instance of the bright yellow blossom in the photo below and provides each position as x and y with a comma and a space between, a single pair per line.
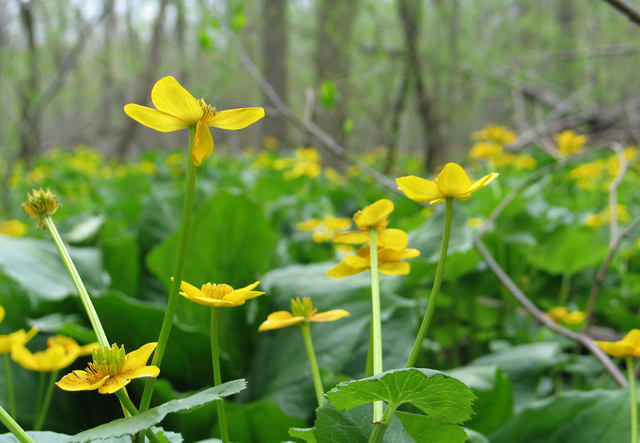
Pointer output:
323, 230
111, 370
177, 109
301, 311
219, 296
453, 181
389, 262
13, 228
485, 149
500, 134
569, 142
16, 338
374, 215
629, 346
525, 162
562, 314
61, 352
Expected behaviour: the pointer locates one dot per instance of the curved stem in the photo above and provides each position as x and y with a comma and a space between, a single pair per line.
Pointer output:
14, 427
77, 281
217, 378
380, 428
42, 412
376, 322
634, 400
178, 272
424, 327
10, 394
315, 372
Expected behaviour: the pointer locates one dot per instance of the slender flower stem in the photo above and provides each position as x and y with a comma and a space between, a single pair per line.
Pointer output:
128, 405
217, 379
44, 407
77, 281
424, 327
376, 323
317, 380
634, 400
14, 427
381, 427
12, 397
178, 272
368, 372
40, 396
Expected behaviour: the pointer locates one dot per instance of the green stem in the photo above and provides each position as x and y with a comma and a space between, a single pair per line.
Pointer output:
368, 372
217, 379
634, 401
565, 287
40, 397
77, 281
381, 427
317, 380
424, 327
376, 323
178, 272
14, 427
42, 413
126, 402
12, 397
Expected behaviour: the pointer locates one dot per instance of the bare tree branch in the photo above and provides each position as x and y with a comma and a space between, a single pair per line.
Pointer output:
632, 13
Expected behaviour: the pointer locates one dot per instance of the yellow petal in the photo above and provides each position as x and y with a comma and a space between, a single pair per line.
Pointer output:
113, 384
279, 320
137, 358
154, 119
374, 214
330, 315
236, 118
394, 267
202, 143
615, 349
143, 372
356, 262
249, 287
390, 254
170, 97
633, 339
351, 238
341, 270
80, 381
392, 238
453, 181
418, 189
239, 297
190, 292
484, 181
214, 302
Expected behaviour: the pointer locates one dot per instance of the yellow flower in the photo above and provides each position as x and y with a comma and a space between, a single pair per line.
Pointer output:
627, 347
562, 314
1, 313
569, 142
525, 162
324, 229
17, 338
61, 352
500, 134
13, 228
475, 222
177, 109
451, 182
301, 311
389, 262
485, 149
111, 370
219, 296
41, 203
595, 220
374, 215
556, 314
309, 225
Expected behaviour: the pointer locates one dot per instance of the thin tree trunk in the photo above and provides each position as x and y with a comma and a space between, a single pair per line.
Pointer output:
30, 128
396, 113
106, 108
148, 77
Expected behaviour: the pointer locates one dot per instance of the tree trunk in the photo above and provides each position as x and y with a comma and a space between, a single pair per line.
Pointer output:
333, 37
275, 30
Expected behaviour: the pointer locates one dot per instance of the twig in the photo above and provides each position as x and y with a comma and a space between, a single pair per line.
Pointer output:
613, 194
630, 11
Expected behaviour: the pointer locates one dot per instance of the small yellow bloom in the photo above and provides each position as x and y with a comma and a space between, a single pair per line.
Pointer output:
575, 317
16, 338
219, 296
13, 228
389, 262
453, 181
374, 215
177, 109
41, 203
595, 220
500, 134
61, 352
475, 222
301, 311
111, 370
525, 162
309, 225
1, 313
627, 347
556, 314
485, 149
569, 142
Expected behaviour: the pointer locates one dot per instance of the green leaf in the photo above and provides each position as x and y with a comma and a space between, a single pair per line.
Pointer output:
425, 429
147, 419
52, 437
437, 394
305, 434
598, 416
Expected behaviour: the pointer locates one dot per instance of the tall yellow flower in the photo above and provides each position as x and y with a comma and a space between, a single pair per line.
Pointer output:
453, 181
301, 311
374, 215
219, 296
389, 262
111, 370
629, 346
177, 109
61, 352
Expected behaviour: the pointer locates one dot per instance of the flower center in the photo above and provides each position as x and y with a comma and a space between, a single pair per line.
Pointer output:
107, 361
302, 308
208, 111
216, 291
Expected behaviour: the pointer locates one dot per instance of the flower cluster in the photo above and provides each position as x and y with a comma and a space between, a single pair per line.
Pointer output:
323, 230
306, 163
569, 142
561, 314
